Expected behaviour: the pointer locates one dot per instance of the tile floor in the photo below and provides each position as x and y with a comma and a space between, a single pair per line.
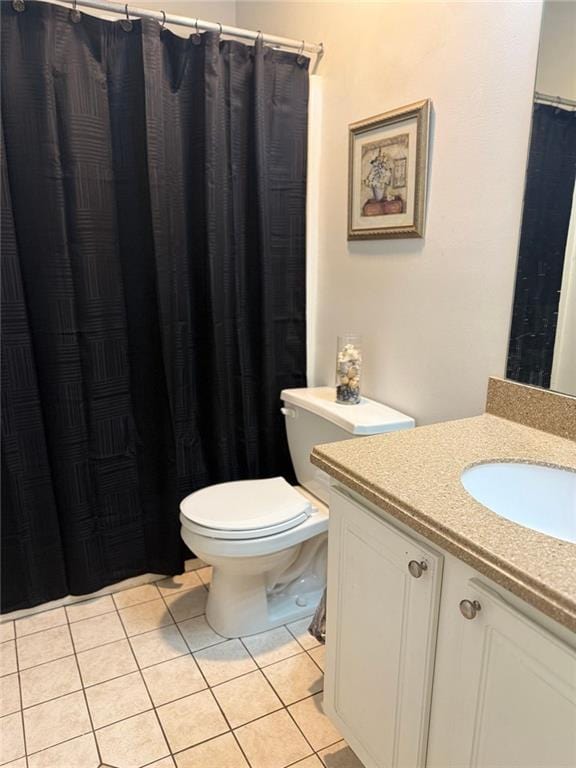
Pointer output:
138, 678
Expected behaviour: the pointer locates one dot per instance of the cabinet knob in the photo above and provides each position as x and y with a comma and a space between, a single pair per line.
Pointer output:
469, 608
417, 568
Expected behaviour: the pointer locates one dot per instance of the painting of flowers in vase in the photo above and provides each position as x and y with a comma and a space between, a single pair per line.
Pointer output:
384, 165
388, 164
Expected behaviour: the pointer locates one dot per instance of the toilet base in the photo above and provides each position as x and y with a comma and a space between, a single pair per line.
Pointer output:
281, 609
249, 598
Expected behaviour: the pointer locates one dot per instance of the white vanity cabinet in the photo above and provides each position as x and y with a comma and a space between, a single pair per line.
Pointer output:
439, 668
504, 686
382, 614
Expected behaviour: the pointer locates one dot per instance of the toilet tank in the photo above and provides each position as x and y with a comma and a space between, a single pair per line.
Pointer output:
313, 416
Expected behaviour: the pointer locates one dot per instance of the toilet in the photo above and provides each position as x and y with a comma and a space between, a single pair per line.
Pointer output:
267, 540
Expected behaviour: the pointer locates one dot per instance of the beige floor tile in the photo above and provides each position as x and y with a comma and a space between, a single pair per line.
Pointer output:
273, 741
294, 678
49, 681
145, 617
309, 762
40, 621
117, 699
90, 633
54, 721
205, 575
106, 661
9, 694
310, 717
11, 738
199, 634
274, 645
300, 631
87, 609
44, 646
188, 721
177, 584
165, 762
133, 742
6, 631
8, 658
76, 753
158, 645
246, 698
319, 655
222, 752
188, 604
21, 763
339, 756
136, 595
173, 679
225, 661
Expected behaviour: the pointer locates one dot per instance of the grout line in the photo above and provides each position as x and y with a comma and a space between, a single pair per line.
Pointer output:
21, 700
290, 715
84, 692
154, 708
315, 662
231, 730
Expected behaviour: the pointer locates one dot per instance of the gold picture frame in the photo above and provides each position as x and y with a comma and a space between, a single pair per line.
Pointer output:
388, 168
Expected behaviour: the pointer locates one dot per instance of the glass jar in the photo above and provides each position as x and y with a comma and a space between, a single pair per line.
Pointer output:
348, 368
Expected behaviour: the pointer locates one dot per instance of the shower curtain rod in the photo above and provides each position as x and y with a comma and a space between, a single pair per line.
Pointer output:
186, 21
560, 100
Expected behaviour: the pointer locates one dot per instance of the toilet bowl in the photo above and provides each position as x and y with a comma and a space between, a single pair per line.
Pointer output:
267, 569
267, 540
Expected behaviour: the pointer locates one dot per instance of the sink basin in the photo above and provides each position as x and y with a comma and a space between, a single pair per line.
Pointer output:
538, 497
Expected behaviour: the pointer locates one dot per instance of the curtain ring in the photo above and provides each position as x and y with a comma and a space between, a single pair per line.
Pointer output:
300, 57
18, 6
196, 37
220, 25
75, 15
126, 24
163, 20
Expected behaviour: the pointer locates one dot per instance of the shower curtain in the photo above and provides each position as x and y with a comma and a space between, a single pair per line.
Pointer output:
545, 221
153, 291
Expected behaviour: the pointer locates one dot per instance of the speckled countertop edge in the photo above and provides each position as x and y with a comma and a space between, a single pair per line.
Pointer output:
535, 567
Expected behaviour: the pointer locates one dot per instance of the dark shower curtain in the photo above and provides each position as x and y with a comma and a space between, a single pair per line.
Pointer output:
153, 291
545, 221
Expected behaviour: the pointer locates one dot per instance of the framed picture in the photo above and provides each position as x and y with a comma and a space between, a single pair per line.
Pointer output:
387, 174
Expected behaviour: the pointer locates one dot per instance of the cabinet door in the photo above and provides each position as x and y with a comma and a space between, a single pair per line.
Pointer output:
381, 632
511, 690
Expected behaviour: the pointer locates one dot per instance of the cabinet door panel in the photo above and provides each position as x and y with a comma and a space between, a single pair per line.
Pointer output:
515, 691
381, 628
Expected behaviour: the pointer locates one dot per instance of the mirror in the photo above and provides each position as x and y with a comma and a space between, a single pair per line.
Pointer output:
542, 349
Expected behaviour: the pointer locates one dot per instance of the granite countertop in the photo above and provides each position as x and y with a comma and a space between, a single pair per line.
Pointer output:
414, 475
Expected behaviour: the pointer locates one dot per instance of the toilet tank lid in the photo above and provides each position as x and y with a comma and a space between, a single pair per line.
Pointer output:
366, 418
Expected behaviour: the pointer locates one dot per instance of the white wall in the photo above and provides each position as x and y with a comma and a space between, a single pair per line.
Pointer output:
434, 313
557, 57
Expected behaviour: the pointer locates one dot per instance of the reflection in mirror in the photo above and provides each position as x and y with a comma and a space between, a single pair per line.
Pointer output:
542, 347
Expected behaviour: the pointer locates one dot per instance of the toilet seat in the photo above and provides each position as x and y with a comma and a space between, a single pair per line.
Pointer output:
245, 509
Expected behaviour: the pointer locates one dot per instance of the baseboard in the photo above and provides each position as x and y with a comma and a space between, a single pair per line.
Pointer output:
135, 581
